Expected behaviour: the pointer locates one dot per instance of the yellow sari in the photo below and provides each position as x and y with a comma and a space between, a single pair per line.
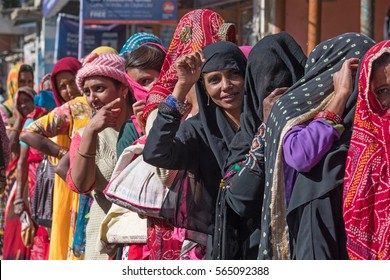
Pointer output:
63, 122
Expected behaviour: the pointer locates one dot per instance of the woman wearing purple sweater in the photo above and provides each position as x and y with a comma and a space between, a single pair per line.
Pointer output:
307, 138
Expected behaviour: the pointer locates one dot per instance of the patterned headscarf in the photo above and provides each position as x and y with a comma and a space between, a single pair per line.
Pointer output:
70, 64
137, 40
298, 105
366, 207
195, 30
12, 83
26, 90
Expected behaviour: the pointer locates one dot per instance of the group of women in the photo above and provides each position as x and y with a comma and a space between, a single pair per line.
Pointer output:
266, 154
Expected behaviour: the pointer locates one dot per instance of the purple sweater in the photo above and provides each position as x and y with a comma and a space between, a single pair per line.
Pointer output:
303, 147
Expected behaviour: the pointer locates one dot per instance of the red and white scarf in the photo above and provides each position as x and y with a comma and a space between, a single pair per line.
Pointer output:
366, 206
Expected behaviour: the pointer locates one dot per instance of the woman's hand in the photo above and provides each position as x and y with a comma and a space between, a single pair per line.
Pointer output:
107, 116
270, 100
188, 69
342, 79
138, 108
16, 113
343, 86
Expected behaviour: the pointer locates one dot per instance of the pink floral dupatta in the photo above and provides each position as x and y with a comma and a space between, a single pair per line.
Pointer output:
195, 30
366, 206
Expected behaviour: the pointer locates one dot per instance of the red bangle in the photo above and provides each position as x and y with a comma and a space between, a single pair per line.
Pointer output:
329, 115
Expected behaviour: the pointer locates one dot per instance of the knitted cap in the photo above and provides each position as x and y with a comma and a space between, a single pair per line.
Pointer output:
107, 65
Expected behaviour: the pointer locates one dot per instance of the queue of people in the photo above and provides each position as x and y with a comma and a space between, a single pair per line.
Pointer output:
260, 152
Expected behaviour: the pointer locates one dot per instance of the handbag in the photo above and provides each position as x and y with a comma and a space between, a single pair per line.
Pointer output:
135, 185
42, 202
28, 229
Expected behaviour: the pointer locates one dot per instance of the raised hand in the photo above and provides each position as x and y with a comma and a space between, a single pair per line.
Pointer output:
342, 79
188, 68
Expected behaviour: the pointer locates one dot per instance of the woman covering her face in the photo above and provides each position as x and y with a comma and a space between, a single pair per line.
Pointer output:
305, 156
367, 178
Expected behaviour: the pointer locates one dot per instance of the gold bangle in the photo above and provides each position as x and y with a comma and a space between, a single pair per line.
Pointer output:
61, 153
86, 155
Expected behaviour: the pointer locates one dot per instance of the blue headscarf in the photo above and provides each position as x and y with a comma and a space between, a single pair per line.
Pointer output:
45, 99
137, 40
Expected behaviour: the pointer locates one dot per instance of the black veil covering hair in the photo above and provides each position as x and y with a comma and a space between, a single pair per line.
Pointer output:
315, 226
190, 203
219, 132
275, 61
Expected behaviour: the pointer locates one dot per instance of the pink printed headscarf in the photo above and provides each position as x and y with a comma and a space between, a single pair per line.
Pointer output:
194, 31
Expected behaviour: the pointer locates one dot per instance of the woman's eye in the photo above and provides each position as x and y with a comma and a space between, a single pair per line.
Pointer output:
72, 83
145, 82
383, 91
86, 92
213, 80
100, 88
235, 74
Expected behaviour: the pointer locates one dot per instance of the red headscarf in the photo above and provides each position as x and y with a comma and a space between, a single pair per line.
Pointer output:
195, 30
70, 64
38, 111
366, 207
43, 80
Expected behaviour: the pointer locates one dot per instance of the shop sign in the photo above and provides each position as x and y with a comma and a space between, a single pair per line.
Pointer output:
130, 11
67, 37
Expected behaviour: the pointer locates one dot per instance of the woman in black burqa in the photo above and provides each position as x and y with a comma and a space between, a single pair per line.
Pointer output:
275, 63
198, 145
310, 226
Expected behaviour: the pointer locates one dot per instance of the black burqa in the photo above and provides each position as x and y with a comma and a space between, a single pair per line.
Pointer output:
312, 226
190, 203
275, 61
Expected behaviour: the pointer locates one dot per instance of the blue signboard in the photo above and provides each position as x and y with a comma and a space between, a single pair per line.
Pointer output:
129, 11
94, 36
